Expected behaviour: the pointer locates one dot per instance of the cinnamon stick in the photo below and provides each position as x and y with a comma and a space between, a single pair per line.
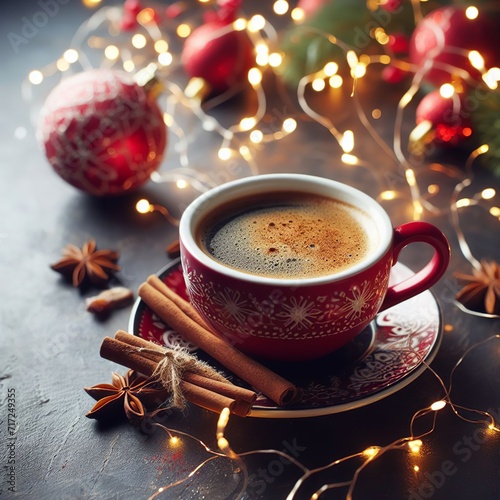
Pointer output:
128, 355
182, 304
211, 400
151, 350
275, 387
173, 249
226, 389
156, 352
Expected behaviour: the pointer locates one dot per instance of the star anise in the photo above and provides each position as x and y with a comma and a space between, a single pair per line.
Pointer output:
482, 290
132, 395
87, 264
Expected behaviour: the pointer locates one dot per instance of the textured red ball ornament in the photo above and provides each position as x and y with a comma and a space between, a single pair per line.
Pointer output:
445, 36
447, 118
218, 55
102, 132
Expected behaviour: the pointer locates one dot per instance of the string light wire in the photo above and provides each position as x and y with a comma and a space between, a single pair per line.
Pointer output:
264, 34
464, 247
237, 136
347, 157
411, 443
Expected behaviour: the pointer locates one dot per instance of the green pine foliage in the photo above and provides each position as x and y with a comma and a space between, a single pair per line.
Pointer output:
486, 126
307, 49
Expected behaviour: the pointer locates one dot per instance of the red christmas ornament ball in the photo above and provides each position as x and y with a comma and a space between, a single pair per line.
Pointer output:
310, 7
131, 9
102, 132
445, 37
398, 43
393, 74
390, 5
132, 6
447, 115
220, 56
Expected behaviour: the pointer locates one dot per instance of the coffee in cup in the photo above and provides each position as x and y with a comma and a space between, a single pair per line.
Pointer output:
289, 235
291, 267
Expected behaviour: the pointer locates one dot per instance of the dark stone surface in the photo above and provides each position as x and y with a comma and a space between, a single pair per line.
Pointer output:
50, 344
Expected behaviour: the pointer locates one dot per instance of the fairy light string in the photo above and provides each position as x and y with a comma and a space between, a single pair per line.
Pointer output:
477, 199
456, 204
143, 206
345, 140
121, 52
263, 35
411, 443
317, 82
243, 137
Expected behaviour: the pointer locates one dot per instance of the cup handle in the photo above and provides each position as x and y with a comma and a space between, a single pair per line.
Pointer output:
413, 232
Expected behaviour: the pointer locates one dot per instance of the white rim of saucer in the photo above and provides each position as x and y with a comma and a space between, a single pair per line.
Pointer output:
246, 186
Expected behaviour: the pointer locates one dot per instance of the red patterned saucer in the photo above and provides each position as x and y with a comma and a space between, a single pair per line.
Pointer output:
383, 359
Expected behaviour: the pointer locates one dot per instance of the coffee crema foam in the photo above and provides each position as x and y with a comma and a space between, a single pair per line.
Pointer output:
302, 236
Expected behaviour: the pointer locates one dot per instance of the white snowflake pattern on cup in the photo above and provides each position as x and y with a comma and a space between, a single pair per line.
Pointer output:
195, 284
299, 313
231, 304
361, 298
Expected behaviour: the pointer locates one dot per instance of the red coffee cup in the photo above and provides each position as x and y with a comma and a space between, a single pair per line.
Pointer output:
305, 318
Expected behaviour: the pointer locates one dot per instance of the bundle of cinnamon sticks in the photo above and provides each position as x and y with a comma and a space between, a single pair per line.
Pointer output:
143, 356
211, 393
